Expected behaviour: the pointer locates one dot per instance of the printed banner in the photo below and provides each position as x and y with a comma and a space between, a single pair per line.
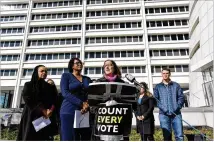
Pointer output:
113, 120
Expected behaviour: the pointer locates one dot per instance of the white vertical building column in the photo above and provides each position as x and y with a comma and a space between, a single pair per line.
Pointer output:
146, 44
17, 91
83, 26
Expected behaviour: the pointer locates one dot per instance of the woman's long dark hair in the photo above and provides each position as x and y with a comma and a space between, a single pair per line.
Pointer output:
36, 82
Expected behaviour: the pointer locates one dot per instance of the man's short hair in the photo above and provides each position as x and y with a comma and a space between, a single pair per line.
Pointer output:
166, 69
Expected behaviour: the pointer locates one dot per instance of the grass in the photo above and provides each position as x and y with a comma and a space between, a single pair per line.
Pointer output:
11, 134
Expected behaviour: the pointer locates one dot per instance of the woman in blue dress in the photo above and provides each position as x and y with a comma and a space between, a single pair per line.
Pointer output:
73, 87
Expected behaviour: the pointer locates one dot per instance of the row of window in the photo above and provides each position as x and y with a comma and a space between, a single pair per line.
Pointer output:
135, 69
57, 16
11, 72
113, 25
57, 56
132, 69
55, 28
167, 23
14, 6
9, 57
113, 12
54, 42
51, 71
92, 55
12, 31
11, 43
173, 37
114, 54
94, 40
174, 52
173, 68
99, 70
122, 39
109, 1
88, 55
13, 18
91, 40
58, 3
167, 9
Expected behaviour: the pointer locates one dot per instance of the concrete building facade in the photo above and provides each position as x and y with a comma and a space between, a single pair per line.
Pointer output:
141, 36
201, 53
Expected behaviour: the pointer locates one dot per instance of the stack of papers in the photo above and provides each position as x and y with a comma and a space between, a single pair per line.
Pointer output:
81, 120
40, 123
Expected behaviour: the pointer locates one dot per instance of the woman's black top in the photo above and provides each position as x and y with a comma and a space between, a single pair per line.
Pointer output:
145, 108
34, 104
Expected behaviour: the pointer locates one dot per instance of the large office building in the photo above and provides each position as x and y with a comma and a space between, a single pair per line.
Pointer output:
142, 36
201, 53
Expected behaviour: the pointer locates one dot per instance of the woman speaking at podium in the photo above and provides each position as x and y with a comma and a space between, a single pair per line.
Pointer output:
74, 87
112, 73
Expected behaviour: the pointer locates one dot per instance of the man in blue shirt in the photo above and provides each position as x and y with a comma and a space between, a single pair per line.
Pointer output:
171, 100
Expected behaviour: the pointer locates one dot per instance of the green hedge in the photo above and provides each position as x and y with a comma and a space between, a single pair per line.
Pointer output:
11, 134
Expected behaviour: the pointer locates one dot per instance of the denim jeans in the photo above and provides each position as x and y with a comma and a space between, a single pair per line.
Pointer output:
169, 122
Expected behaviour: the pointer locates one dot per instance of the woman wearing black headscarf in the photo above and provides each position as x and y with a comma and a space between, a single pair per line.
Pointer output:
40, 100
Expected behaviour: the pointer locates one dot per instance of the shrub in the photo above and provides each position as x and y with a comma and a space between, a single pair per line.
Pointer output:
11, 134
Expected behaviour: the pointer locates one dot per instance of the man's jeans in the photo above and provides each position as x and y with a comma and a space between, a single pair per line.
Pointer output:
169, 122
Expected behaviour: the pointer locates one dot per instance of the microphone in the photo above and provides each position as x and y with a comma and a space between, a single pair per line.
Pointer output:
132, 79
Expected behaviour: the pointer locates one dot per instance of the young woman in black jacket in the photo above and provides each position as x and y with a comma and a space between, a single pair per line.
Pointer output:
144, 114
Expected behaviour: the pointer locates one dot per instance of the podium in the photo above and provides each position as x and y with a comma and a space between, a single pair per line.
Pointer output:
102, 91
112, 122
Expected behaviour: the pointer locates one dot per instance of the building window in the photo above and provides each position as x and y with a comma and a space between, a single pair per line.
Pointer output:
57, 16
93, 2
105, 40
14, 6
173, 68
11, 43
173, 52
6, 98
113, 26
12, 31
115, 54
10, 72
67, 3
51, 71
166, 10
56, 56
114, 13
173, 37
53, 42
167, 23
9, 57
13, 18
208, 85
